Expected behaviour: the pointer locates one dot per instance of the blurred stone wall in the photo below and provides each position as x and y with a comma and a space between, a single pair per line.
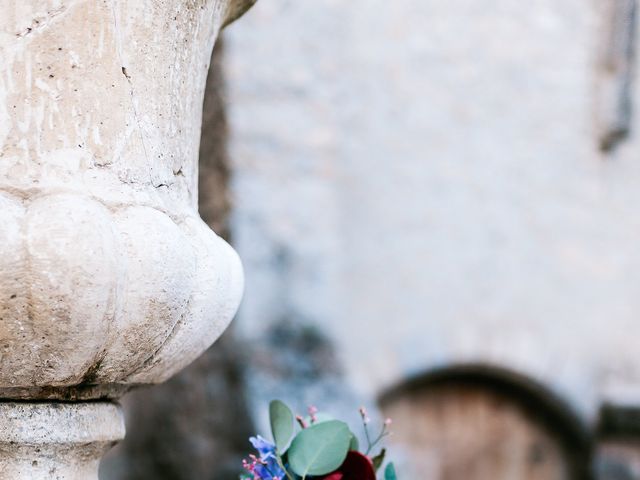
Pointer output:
431, 183
195, 426
427, 185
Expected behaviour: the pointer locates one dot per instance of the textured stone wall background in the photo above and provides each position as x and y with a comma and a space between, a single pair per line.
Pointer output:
427, 184
424, 182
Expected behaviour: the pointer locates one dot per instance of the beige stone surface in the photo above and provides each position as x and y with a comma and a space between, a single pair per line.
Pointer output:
108, 276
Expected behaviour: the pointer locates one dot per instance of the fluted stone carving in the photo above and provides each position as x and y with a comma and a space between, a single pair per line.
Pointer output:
94, 295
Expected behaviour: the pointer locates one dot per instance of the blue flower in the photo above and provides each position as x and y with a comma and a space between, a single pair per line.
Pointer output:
267, 468
264, 447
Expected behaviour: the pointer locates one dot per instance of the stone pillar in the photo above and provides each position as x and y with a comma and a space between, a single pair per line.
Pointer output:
56, 440
108, 276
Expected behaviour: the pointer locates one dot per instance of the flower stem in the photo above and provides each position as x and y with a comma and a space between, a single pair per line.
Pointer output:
383, 433
369, 444
279, 460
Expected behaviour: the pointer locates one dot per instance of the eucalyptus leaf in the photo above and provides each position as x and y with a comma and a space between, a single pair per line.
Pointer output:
319, 449
390, 472
354, 444
281, 419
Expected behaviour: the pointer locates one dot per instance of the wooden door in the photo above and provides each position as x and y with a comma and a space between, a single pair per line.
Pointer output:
473, 428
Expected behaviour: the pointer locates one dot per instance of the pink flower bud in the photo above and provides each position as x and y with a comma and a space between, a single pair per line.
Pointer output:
312, 413
301, 421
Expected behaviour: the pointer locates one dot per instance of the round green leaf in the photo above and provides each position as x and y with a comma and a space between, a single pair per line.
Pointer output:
319, 449
281, 419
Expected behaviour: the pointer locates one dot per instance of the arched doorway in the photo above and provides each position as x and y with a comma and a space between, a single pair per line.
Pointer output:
482, 423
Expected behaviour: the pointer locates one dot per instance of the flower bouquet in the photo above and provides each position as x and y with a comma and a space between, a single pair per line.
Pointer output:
321, 449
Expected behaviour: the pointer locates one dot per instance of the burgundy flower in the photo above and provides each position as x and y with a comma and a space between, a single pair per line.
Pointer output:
355, 467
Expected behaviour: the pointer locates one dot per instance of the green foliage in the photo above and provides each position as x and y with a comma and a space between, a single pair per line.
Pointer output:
390, 472
323, 446
354, 444
378, 460
319, 449
281, 419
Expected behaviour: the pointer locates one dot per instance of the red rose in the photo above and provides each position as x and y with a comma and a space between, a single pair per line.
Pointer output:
355, 467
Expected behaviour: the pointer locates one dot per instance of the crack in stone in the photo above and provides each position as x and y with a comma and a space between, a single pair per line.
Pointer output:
131, 89
152, 359
42, 22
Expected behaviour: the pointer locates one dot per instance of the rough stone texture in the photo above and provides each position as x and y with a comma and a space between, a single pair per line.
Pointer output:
422, 181
196, 425
56, 441
108, 276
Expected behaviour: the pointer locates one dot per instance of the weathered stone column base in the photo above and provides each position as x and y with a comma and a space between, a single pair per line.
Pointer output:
56, 441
